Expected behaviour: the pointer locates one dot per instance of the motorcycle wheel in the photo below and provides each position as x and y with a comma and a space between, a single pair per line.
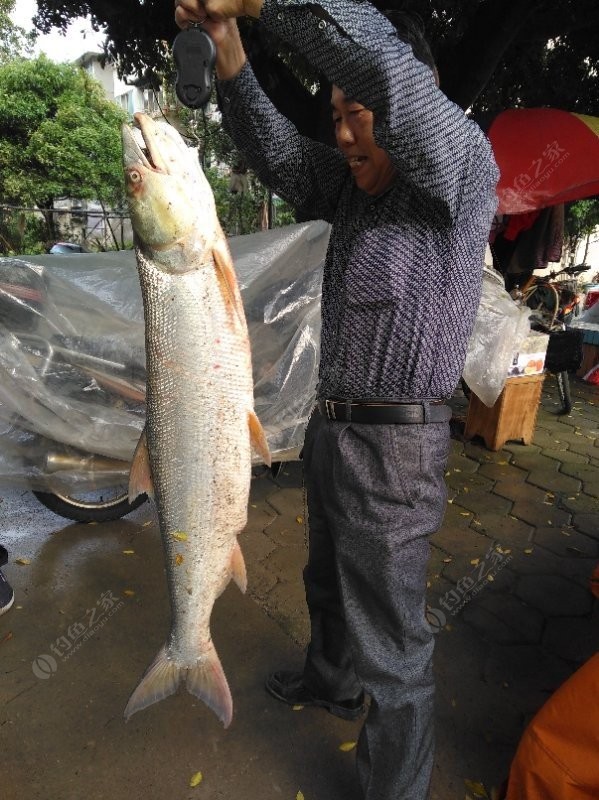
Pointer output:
563, 388
104, 505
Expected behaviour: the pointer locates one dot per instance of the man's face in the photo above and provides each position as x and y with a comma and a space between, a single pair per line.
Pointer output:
370, 165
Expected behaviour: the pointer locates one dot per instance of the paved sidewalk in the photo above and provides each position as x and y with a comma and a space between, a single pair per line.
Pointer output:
509, 597
509, 574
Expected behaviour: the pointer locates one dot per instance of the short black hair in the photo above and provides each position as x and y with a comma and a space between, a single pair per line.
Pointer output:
410, 29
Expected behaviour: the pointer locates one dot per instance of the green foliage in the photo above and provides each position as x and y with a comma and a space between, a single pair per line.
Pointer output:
59, 135
581, 219
14, 41
21, 233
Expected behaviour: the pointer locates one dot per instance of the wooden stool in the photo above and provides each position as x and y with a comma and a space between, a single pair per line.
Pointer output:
513, 416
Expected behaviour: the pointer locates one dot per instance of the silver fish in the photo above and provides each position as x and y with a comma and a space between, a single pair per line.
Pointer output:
194, 457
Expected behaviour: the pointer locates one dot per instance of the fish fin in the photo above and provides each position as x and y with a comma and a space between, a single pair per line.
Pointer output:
208, 682
228, 278
140, 476
160, 680
238, 570
258, 437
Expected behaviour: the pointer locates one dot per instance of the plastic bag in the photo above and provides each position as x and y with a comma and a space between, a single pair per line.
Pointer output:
499, 328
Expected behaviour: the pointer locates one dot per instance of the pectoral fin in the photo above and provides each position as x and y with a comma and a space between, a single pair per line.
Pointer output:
238, 570
140, 477
228, 278
258, 437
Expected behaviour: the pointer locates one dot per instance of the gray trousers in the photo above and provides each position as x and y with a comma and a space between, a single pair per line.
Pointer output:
375, 493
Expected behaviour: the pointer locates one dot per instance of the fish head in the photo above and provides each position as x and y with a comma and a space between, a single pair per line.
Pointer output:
170, 201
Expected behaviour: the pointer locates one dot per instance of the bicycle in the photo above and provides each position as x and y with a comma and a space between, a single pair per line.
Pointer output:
553, 307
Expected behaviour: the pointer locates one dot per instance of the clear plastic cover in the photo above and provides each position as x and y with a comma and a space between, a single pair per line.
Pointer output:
72, 360
500, 327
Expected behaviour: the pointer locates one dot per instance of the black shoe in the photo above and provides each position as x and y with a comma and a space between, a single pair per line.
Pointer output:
7, 596
3, 556
289, 688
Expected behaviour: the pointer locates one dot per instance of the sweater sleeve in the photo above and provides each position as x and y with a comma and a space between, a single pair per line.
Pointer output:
307, 174
430, 140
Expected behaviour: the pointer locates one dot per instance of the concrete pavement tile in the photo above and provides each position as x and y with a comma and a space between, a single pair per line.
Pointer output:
518, 491
287, 563
287, 502
516, 449
483, 503
535, 514
580, 503
290, 475
286, 531
494, 628
503, 471
575, 639
528, 667
565, 456
506, 529
286, 605
255, 544
554, 596
261, 582
478, 452
587, 474
461, 542
526, 620
462, 464
587, 524
262, 485
469, 483
566, 542
456, 516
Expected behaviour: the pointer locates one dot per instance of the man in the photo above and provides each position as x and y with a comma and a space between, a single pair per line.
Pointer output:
410, 193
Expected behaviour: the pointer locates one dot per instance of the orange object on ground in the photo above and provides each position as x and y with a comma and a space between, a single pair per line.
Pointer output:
558, 755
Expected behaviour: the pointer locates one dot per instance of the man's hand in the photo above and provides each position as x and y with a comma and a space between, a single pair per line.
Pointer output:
217, 18
188, 12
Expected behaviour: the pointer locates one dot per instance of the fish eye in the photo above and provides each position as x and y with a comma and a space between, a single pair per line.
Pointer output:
135, 176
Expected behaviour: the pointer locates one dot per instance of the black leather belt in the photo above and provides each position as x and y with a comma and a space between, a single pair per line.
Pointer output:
385, 413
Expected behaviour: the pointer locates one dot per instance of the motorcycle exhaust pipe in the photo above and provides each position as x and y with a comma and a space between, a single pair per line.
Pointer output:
55, 462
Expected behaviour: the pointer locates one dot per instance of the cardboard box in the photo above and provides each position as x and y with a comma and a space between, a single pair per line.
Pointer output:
530, 358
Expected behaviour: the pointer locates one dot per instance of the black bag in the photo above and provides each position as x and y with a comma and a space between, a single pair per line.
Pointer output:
564, 351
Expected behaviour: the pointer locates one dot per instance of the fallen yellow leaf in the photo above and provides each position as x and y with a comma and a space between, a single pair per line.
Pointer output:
346, 747
475, 562
178, 559
296, 708
128, 552
179, 536
195, 779
23, 561
528, 551
477, 789
300, 796
299, 519
128, 592
490, 578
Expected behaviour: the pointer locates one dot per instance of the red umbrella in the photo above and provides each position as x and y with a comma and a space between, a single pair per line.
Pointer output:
545, 157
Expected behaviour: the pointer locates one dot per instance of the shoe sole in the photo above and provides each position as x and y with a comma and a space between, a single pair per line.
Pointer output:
8, 606
338, 711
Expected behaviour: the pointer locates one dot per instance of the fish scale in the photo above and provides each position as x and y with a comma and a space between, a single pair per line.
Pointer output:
195, 454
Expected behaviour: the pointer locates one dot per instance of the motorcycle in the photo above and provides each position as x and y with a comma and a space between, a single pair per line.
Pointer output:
72, 364
554, 305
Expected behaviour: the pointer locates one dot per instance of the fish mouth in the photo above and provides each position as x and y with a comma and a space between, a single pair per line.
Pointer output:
140, 145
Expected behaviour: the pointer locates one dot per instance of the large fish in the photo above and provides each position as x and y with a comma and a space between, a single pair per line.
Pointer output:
194, 457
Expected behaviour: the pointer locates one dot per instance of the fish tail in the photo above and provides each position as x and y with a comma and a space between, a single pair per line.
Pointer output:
161, 679
207, 681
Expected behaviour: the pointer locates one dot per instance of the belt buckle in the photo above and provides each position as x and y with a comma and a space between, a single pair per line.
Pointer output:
329, 405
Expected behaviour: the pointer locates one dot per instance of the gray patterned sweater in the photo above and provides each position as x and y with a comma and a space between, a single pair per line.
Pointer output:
403, 270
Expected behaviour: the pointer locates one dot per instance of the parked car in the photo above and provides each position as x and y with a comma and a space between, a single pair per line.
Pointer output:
64, 248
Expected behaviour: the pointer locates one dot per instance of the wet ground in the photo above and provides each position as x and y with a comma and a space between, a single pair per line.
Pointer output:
509, 596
